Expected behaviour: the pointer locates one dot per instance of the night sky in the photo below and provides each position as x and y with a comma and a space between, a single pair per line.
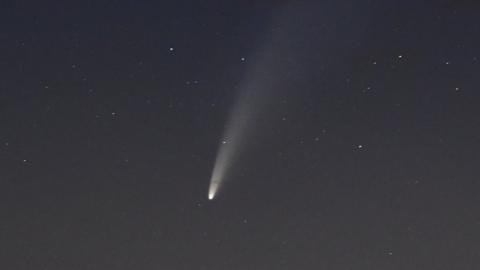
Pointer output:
361, 148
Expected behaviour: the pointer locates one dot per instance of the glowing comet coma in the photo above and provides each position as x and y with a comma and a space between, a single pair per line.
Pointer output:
268, 69
237, 131
242, 122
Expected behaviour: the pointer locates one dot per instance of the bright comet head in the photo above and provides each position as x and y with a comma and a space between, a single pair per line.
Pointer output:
212, 190
219, 170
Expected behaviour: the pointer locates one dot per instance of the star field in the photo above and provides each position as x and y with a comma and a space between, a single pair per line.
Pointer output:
363, 154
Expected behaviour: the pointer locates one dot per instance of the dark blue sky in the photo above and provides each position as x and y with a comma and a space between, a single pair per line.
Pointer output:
364, 156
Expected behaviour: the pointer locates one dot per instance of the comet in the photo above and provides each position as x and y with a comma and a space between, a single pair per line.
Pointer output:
270, 67
241, 124
251, 106
235, 134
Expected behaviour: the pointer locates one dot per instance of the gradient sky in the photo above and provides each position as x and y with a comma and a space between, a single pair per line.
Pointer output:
363, 154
